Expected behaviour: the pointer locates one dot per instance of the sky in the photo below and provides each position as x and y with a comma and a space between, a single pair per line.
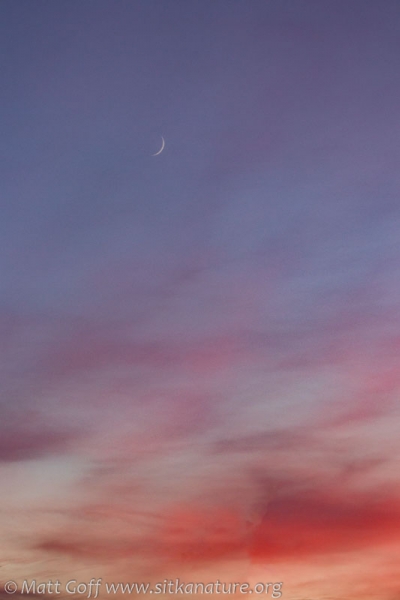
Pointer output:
199, 350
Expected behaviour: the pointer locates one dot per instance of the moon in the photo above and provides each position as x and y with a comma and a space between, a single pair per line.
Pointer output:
162, 147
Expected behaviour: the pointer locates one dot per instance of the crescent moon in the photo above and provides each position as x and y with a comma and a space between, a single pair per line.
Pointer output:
162, 147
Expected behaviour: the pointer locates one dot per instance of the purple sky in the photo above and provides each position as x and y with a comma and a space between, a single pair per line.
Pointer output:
211, 336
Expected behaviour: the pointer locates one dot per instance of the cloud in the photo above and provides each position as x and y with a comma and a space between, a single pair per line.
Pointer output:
262, 515
322, 522
294, 528
25, 443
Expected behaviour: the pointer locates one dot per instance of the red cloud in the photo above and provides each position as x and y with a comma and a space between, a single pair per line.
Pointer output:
305, 524
295, 526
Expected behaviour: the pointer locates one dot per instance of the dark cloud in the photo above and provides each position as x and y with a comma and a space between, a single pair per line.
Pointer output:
24, 443
265, 441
